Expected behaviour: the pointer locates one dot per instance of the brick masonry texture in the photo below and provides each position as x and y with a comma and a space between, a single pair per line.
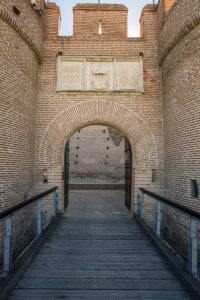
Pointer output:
113, 19
181, 106
181, 92
18, 92
139, 116
95, 158
162, 123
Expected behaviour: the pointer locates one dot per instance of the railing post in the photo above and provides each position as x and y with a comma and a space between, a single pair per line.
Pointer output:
8, 246
39, 217
192, 251
55, 204
158, 218
142, 205
138, 204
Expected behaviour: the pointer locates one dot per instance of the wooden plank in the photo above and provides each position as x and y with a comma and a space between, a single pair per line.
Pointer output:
56, 242
94, 247
33, 294
59, 265
99, 231
102, 274
102, 237
99, 258
101, 284
113, 252
53, 242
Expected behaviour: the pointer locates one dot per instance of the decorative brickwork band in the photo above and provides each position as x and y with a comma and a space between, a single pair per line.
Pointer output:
180, 34
101, 112
7, 17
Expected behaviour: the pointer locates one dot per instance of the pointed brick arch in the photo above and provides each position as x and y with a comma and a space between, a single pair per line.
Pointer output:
98, 112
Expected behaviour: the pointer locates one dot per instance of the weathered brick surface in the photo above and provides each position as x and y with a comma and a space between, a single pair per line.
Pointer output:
113, 19
21, 44
168, 4
34, 27
181, 91
176, 22
18, 92
163, 8
95, 158
181, 94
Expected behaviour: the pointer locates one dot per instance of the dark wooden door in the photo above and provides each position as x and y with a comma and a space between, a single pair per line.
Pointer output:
66, 175
128, 173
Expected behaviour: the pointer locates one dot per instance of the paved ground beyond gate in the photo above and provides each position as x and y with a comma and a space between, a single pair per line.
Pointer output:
98, 252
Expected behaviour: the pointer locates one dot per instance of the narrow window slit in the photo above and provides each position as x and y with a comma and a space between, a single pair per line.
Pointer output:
100, 27
194, 189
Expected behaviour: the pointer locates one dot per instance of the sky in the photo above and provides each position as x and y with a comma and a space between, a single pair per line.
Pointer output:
134, 6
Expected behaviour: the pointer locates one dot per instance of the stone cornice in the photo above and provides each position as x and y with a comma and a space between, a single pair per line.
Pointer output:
7, 17
184, 30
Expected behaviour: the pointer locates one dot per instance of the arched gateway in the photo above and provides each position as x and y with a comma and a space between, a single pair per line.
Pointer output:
68, 121
98, 157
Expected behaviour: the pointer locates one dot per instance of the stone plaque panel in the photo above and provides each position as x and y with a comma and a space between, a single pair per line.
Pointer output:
70, 75
128, 75
100, 74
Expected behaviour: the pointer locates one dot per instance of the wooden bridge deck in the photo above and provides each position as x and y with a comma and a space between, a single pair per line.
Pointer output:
98, 252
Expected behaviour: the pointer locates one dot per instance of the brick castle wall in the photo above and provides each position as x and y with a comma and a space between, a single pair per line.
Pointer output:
111, 18
179, 41
180, 71
21, 43
138, 115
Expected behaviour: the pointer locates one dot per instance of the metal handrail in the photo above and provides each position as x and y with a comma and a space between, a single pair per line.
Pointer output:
194, 220
178, 206
19, 206
8, 214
